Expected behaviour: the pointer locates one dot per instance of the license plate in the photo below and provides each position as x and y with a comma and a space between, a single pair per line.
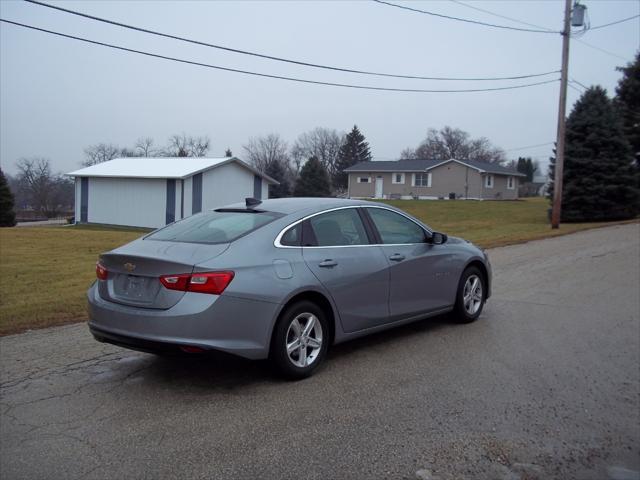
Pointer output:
135, 286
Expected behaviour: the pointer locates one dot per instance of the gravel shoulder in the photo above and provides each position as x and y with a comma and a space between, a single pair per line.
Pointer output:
545, 385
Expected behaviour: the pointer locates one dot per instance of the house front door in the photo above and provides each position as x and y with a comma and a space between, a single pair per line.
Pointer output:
378, 187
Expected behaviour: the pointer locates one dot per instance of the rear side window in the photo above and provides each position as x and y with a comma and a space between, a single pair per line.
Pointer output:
293, 236
214, 227
394, 228
339, 228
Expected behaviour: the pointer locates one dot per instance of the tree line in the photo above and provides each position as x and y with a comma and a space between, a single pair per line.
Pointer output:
178, 145
602, 159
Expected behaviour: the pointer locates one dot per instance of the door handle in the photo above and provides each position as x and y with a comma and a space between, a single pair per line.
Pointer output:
328, 263
396, 257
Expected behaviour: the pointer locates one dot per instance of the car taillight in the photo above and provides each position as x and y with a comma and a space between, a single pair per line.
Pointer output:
201, 282
101, 272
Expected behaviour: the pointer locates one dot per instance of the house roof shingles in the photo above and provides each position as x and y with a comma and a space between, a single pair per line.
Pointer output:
423, 165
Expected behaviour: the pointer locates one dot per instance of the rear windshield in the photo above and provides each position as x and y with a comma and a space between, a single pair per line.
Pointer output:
214, 227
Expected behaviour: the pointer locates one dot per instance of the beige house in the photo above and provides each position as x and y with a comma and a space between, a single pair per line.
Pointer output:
432, 179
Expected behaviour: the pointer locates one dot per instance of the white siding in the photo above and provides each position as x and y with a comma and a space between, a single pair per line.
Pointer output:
136, 202
178, 192
230, 183
77, 200
187, 197
265, 189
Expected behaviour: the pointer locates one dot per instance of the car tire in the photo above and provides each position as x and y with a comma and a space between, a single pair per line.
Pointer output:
470, 297
298, 347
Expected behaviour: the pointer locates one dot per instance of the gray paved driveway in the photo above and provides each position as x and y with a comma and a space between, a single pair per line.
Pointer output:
545, 385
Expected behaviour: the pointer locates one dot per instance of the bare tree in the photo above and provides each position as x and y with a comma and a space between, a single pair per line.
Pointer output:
43, 191
408, 154
183, 146
99, 153
263, 151
270, 154
323, 143
448, 143
483, 150
199, 146
144, 147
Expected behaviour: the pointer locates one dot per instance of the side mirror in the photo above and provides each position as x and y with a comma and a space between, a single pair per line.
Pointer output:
438, 238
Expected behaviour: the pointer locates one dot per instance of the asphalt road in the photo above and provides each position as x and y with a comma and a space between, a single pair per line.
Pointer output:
546, 384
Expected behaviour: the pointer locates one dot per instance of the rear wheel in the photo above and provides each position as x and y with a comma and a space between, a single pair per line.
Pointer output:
471, 296
300, 340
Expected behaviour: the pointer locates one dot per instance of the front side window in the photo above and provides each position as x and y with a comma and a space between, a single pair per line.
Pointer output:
398, 178
488, 181
422, 180
510, 183
213, 227
338, 228
364, 179
394, 228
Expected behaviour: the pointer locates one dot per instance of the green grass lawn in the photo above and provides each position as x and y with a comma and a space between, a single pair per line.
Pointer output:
46, 271
490, 223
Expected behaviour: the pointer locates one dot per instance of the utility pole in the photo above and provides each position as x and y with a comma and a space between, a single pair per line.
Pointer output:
559, 168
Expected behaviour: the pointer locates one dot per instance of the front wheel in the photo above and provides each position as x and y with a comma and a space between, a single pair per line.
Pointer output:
300, 340
470, 297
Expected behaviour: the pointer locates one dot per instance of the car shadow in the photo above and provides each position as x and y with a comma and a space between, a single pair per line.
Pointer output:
221, 372
391, 336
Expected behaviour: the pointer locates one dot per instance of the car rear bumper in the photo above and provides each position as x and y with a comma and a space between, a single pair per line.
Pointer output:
238, 326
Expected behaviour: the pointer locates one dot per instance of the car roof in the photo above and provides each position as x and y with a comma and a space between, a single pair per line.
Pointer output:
297, 204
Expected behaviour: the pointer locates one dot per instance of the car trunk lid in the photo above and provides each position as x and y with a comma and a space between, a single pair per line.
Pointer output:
134, 271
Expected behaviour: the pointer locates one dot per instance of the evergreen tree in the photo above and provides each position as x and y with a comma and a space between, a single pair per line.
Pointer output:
599, 181
7, 214
276, 171
528, 167
627, 102
551, 174
313, 180
228, 153
355, 149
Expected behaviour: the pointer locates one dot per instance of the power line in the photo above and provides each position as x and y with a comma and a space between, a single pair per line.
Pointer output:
466, 20
575, 88
615, 23
611, 54
579, 83
278, 59
502, 16
266, 75
529, 147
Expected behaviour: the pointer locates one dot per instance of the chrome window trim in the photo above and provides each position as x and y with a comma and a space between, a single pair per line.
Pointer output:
277, 244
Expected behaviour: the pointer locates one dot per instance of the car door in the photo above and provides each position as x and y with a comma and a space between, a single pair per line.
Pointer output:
339, 252
420, 278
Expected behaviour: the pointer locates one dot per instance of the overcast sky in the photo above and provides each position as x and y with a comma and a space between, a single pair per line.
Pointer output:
59, 95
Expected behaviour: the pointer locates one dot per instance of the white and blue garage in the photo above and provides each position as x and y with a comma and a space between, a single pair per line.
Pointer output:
152, 192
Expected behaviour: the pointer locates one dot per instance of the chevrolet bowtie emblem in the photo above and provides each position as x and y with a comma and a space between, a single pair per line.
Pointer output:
129, 267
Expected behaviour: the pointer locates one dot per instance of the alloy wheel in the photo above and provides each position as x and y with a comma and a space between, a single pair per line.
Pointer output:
304, 339
472, 294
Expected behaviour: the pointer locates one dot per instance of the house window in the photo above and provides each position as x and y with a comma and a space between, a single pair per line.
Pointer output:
488, 181
364, 179
511, 184
398, 178
422, 180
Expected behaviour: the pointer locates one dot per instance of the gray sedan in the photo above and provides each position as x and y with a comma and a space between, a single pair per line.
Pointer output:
282, 279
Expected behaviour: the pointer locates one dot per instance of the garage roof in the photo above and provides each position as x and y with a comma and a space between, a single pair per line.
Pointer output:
159, 167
